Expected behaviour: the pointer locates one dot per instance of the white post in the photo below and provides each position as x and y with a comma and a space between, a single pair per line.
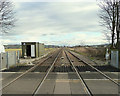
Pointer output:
0, 61
18, 57
25, 54
107, 54
2, 49
7, 56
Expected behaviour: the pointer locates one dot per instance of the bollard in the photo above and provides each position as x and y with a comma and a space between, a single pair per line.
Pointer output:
7, 64
18, 57
0, 61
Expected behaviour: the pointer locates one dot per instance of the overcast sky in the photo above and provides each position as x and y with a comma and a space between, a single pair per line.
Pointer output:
58, 23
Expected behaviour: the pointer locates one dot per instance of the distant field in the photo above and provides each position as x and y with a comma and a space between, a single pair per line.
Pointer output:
20, 50
91, 52
9, 50
48, 49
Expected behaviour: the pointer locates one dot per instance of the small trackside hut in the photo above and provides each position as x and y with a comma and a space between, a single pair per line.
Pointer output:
32, 49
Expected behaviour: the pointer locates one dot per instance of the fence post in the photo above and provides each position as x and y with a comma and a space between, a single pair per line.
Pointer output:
18, 56
0, 61
0, 73
15, 57
7, 64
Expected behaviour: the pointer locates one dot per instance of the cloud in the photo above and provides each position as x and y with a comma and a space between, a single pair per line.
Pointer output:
53, 0
55, 23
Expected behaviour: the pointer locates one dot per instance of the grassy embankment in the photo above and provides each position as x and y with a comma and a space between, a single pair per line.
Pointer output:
92, 53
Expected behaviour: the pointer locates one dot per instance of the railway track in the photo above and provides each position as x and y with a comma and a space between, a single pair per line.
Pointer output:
74, 69
93, 68
35, 67
44, 78
86, 88
61, 61
90, 67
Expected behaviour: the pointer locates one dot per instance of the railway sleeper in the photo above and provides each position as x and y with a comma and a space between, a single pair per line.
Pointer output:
62, 69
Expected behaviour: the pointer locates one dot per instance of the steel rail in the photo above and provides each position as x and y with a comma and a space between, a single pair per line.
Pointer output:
96, 69
86, 88
44, 78
26, 72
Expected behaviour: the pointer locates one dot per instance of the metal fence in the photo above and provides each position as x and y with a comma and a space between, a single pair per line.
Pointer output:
8, 59
114, 59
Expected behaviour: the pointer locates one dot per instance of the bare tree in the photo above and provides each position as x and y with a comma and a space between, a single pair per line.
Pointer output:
108, 37
7, 19
109, 16
118, 24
